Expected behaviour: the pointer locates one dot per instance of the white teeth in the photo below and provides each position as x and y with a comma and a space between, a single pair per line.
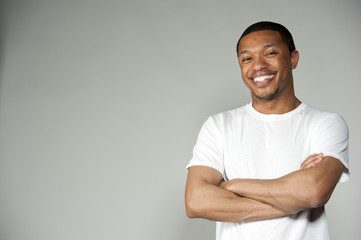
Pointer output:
263, 78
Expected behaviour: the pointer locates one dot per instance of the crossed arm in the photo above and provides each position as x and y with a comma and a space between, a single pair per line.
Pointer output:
253, 199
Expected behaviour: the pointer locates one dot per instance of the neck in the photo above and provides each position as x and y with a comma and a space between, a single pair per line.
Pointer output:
276, 106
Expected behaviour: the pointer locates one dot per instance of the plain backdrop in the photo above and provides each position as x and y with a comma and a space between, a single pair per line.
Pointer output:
101, 103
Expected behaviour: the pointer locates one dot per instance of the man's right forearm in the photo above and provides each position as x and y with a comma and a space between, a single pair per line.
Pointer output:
217, 204
204, 199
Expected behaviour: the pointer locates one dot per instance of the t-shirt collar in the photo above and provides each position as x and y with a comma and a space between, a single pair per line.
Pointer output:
274, 117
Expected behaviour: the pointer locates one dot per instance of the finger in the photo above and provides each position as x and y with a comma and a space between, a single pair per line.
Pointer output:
311, 160
312, 164
313, 157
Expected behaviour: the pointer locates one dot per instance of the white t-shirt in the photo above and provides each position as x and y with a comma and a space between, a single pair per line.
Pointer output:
244, 143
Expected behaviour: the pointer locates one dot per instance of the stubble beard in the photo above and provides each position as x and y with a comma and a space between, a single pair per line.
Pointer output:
267, 97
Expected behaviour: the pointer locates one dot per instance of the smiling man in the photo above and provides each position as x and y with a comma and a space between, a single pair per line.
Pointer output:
266, 170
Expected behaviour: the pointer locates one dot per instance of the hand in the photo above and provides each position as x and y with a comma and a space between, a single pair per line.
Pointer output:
231, 185
223, 184
312, 160
227, 184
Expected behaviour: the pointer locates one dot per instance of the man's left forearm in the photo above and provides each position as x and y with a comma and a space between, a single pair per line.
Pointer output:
297, 191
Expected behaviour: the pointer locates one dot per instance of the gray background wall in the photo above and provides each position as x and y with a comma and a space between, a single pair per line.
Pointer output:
101, 103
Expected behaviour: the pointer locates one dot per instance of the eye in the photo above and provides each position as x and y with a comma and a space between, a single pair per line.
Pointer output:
246, 59
271, 53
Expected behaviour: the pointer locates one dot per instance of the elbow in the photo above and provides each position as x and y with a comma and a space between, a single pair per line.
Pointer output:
195, 207
190, 212
317, 197
319, 200
192, 209
313, 201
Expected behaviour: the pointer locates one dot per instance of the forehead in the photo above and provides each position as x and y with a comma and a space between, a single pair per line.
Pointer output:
259, 39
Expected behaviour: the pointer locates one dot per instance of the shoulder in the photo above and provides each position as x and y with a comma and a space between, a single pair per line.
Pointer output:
226, 118
322, 120
320, 116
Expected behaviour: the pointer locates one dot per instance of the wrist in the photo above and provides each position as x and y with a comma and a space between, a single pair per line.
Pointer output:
233, 185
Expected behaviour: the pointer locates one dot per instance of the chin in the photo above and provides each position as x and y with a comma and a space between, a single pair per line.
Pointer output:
266, 97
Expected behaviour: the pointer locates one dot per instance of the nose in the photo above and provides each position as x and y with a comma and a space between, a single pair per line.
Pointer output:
259, 63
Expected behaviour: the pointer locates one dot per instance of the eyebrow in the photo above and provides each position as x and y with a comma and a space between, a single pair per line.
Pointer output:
265, 46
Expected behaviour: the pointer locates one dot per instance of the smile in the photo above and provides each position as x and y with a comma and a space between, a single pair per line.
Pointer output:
263, 78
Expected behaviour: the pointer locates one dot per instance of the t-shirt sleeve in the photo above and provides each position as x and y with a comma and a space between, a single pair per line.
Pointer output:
331, 139
208, 149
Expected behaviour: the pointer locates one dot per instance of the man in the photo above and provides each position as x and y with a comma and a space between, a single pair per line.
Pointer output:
266, 170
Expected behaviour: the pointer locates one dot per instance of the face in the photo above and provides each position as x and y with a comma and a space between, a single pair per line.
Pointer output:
266, 65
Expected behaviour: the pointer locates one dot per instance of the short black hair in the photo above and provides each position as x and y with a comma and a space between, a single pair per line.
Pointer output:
265, 25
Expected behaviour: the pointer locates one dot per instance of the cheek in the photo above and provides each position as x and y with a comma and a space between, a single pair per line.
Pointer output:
244, 78
245, 81
244, 72
284, 63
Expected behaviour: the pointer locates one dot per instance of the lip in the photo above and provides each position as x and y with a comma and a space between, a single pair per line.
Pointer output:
269, 78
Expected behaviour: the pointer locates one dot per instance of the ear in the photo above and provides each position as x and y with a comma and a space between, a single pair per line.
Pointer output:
295, 55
